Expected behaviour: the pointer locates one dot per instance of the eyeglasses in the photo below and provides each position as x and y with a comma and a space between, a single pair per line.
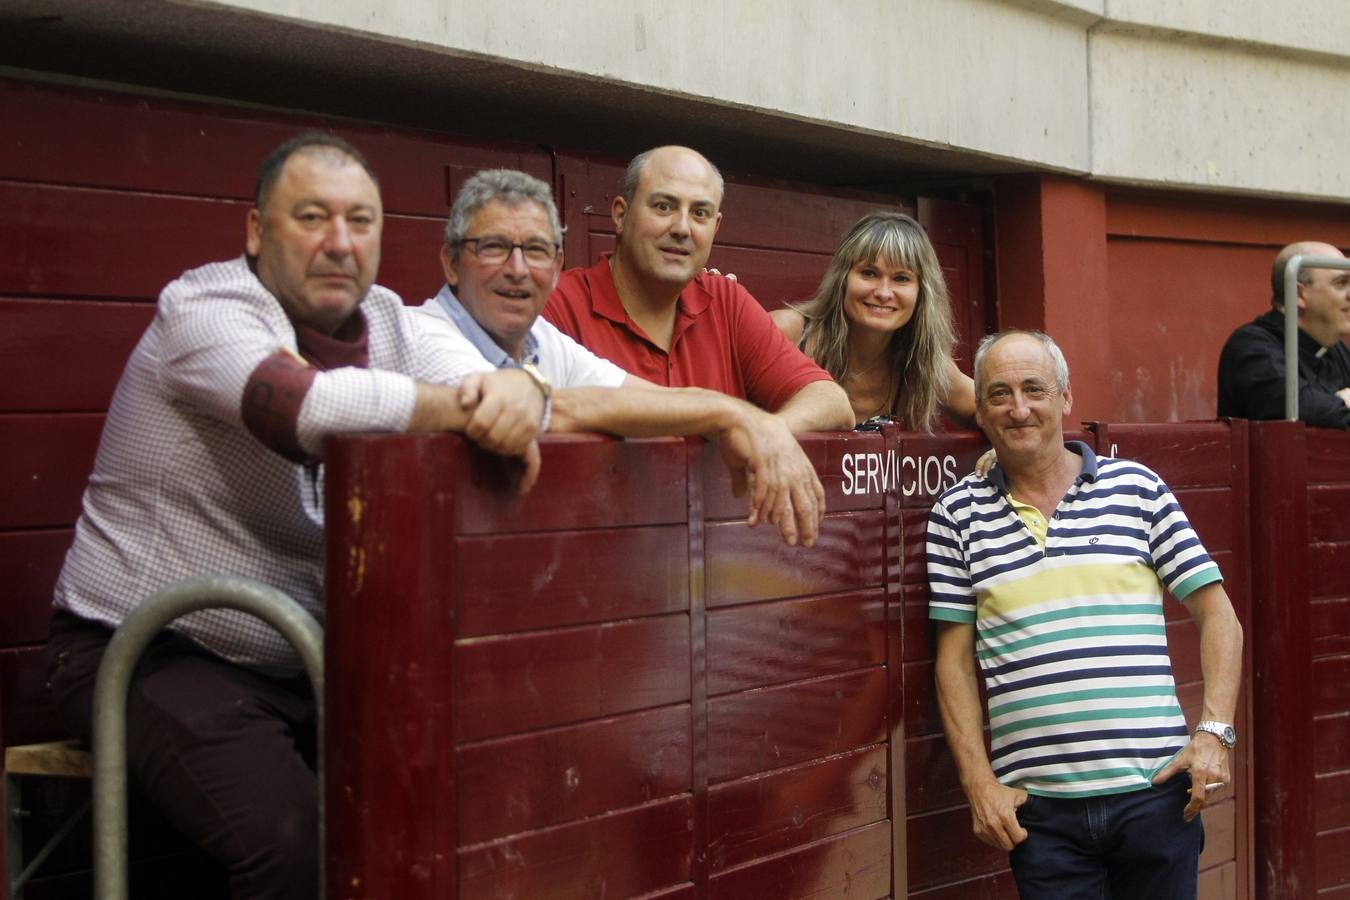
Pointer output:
493, 250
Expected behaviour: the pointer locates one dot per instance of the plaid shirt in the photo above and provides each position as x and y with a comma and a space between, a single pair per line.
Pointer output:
182, 488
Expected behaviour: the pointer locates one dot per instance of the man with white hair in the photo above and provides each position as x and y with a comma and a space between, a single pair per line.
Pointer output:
1050, 573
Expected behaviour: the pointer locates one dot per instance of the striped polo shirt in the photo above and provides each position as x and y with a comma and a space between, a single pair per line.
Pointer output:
1069, 625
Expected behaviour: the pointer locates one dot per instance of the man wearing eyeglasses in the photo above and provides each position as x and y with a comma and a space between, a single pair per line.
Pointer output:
1050, 572
501, 257
653, 310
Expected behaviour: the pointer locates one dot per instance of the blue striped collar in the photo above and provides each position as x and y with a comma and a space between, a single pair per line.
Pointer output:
1089, 473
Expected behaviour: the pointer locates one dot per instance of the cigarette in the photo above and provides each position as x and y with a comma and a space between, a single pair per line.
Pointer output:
1214, 785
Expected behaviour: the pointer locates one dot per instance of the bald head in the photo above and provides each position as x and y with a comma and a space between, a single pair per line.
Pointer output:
1305, 275
668, 154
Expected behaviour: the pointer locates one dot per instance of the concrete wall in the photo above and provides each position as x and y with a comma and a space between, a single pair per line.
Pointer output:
1233, 96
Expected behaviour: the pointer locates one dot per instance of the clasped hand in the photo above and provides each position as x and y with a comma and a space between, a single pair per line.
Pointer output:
505, 408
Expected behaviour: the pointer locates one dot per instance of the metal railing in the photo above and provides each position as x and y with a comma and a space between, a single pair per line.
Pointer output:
114, 679
1291, 271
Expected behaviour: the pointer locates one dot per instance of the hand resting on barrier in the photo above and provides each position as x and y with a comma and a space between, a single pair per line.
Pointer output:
767, 464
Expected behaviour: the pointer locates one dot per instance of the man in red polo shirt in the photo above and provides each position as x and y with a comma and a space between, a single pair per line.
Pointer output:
651, 309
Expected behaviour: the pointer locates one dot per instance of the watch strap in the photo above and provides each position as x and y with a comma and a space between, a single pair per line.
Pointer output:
1221, 730
541, 381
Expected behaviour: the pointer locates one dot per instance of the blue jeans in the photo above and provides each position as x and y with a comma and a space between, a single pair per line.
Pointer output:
1132, 846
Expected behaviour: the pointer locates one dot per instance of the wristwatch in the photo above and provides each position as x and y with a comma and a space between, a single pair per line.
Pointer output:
541, 382
1221, 730
539, 379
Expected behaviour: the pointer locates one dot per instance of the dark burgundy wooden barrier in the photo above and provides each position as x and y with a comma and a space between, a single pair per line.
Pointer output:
1206, 465
613, 688
1301, 677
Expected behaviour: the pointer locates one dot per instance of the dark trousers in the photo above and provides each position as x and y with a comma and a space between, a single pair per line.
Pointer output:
225, 754
1127, 846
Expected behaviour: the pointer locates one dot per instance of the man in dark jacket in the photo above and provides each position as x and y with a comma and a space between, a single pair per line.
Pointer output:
1251, 366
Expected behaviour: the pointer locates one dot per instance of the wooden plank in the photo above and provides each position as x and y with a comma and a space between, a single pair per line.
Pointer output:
156, 144
931, 778
520, 682
750, 564
1280, 637
774, 276
620, 854
1333, 801
45, 228
1189, 454
1330, 625
409, 265
920, 710
61, 759
929, 464
65, 354
48, 458
545, 778
920, 632
389, 774
1218, 883
1333, 859
767, 814
537, 580
756, 731
1331, 696
769, 643
1211, 513
840, 461
586, 482
913, 546
854, 864
942, 850
29, 564
1328, 570
1329, 512
1333, 742
1183, 646
1220, 832
678, 892
1327, 451
1000, 886
1191, 696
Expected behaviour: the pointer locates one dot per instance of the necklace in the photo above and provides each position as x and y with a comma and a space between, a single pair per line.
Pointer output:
887, 398
858, 373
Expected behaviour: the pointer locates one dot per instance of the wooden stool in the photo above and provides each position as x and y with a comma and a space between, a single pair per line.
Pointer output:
58, 759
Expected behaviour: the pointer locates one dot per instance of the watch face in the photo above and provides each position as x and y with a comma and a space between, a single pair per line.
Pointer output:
1229, 736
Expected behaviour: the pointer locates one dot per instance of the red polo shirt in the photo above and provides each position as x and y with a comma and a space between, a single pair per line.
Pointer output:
723, 338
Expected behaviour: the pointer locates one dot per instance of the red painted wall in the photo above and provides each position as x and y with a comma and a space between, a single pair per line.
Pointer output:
1141, 289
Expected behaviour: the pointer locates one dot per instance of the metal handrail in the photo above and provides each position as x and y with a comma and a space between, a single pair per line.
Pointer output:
1291, 270
114, 679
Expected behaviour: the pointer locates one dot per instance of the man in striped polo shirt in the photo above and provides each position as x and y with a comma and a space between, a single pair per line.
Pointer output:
1051, 573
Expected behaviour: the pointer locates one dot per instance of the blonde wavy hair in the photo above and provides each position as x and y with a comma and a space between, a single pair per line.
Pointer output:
920, 351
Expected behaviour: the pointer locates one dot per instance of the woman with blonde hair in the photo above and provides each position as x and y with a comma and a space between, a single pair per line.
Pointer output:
880, 323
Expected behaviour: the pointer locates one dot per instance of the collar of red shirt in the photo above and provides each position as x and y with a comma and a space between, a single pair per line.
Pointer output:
694, 298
